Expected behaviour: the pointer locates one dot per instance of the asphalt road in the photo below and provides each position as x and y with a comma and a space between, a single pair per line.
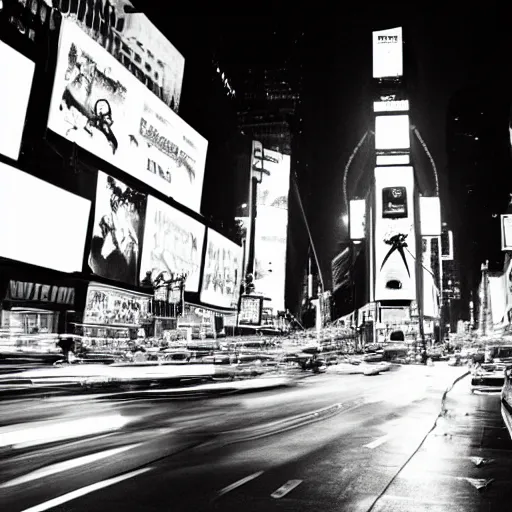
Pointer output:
354, 443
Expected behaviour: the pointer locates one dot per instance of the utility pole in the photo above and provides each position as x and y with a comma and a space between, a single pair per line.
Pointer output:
257, 166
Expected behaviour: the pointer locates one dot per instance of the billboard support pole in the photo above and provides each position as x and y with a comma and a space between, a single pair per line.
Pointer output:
252, 232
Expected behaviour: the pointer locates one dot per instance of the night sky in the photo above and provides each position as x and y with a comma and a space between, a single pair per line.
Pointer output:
447, 50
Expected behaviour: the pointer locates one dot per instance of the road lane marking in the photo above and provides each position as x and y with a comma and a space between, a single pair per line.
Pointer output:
285, 489
73, 495
50, 432
377, 442
238, 483
67, 465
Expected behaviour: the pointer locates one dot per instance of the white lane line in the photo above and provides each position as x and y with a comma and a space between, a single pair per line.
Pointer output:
285, 489
238, 483
377, 442
83, 491
67, 465
49, 432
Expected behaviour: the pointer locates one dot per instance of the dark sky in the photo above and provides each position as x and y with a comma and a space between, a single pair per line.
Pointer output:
449, 49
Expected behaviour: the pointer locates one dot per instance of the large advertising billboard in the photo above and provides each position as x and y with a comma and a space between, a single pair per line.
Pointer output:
101, 107
133, 40
173, 243
392, 132
222, 271
506, 232
119, 215
15, 87
41, 224
430, 216
357, 219
388, 59
270, 239
395, 238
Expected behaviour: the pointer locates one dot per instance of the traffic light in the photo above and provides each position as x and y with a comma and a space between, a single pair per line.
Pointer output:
249, 283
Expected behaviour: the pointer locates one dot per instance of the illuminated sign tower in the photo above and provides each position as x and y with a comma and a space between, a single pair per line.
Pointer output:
397, 224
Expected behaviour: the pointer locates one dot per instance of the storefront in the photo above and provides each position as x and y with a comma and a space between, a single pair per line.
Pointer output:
36, 308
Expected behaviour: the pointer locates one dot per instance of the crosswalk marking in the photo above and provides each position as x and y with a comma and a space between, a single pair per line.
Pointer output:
377, 442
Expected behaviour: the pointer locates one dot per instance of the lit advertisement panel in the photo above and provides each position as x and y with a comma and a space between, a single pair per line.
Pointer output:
101, 107
430, 216
357, 218
393, 160
447, 244
135, 42
506, 232
395, 240
391, 106
388, 53
222, 270
41, 224
430, 279
173, 242
119, 215
15, 87
271, 228
392, 132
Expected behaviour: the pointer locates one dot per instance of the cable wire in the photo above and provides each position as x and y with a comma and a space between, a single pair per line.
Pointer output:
345, 171
434, 168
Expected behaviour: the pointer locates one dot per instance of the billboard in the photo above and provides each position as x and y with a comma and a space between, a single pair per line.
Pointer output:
41, 224
395, 239
341, 269
134, 41
392, 132
250, 310
357, 218
222, 271
106, 305
430, 216
270, 239
173, 243
14, 95
100, 106
388, 53
506, 232
119, 215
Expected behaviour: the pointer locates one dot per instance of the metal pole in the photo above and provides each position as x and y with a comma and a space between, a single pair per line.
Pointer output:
252, 232
309, 232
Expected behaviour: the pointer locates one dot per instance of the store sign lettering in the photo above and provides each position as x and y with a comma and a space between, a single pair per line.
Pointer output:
36, 292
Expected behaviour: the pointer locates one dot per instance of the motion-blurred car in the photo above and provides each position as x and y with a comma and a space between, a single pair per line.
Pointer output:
489, 376
506, 400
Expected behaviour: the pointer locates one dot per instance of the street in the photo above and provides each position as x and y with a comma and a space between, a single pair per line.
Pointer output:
332, 442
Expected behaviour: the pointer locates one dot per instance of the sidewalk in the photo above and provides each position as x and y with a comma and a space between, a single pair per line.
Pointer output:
463, 463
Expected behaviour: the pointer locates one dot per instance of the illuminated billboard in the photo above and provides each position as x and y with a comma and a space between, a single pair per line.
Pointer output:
222, 271
100, 106
392, 132
395, 239
430, 216
41, 224
506, 232
135, 42
388, 59
173, 243
119, 214
357, 217
270, 239
15, 87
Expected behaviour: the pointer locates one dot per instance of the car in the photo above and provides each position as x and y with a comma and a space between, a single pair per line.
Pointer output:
506, 400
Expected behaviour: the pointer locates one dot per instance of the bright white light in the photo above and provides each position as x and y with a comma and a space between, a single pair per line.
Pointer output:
49, 226
243, 205
430, 216
392, 132
393, 160
391, 106
388, 53
344, 219
357, 210
14, 96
